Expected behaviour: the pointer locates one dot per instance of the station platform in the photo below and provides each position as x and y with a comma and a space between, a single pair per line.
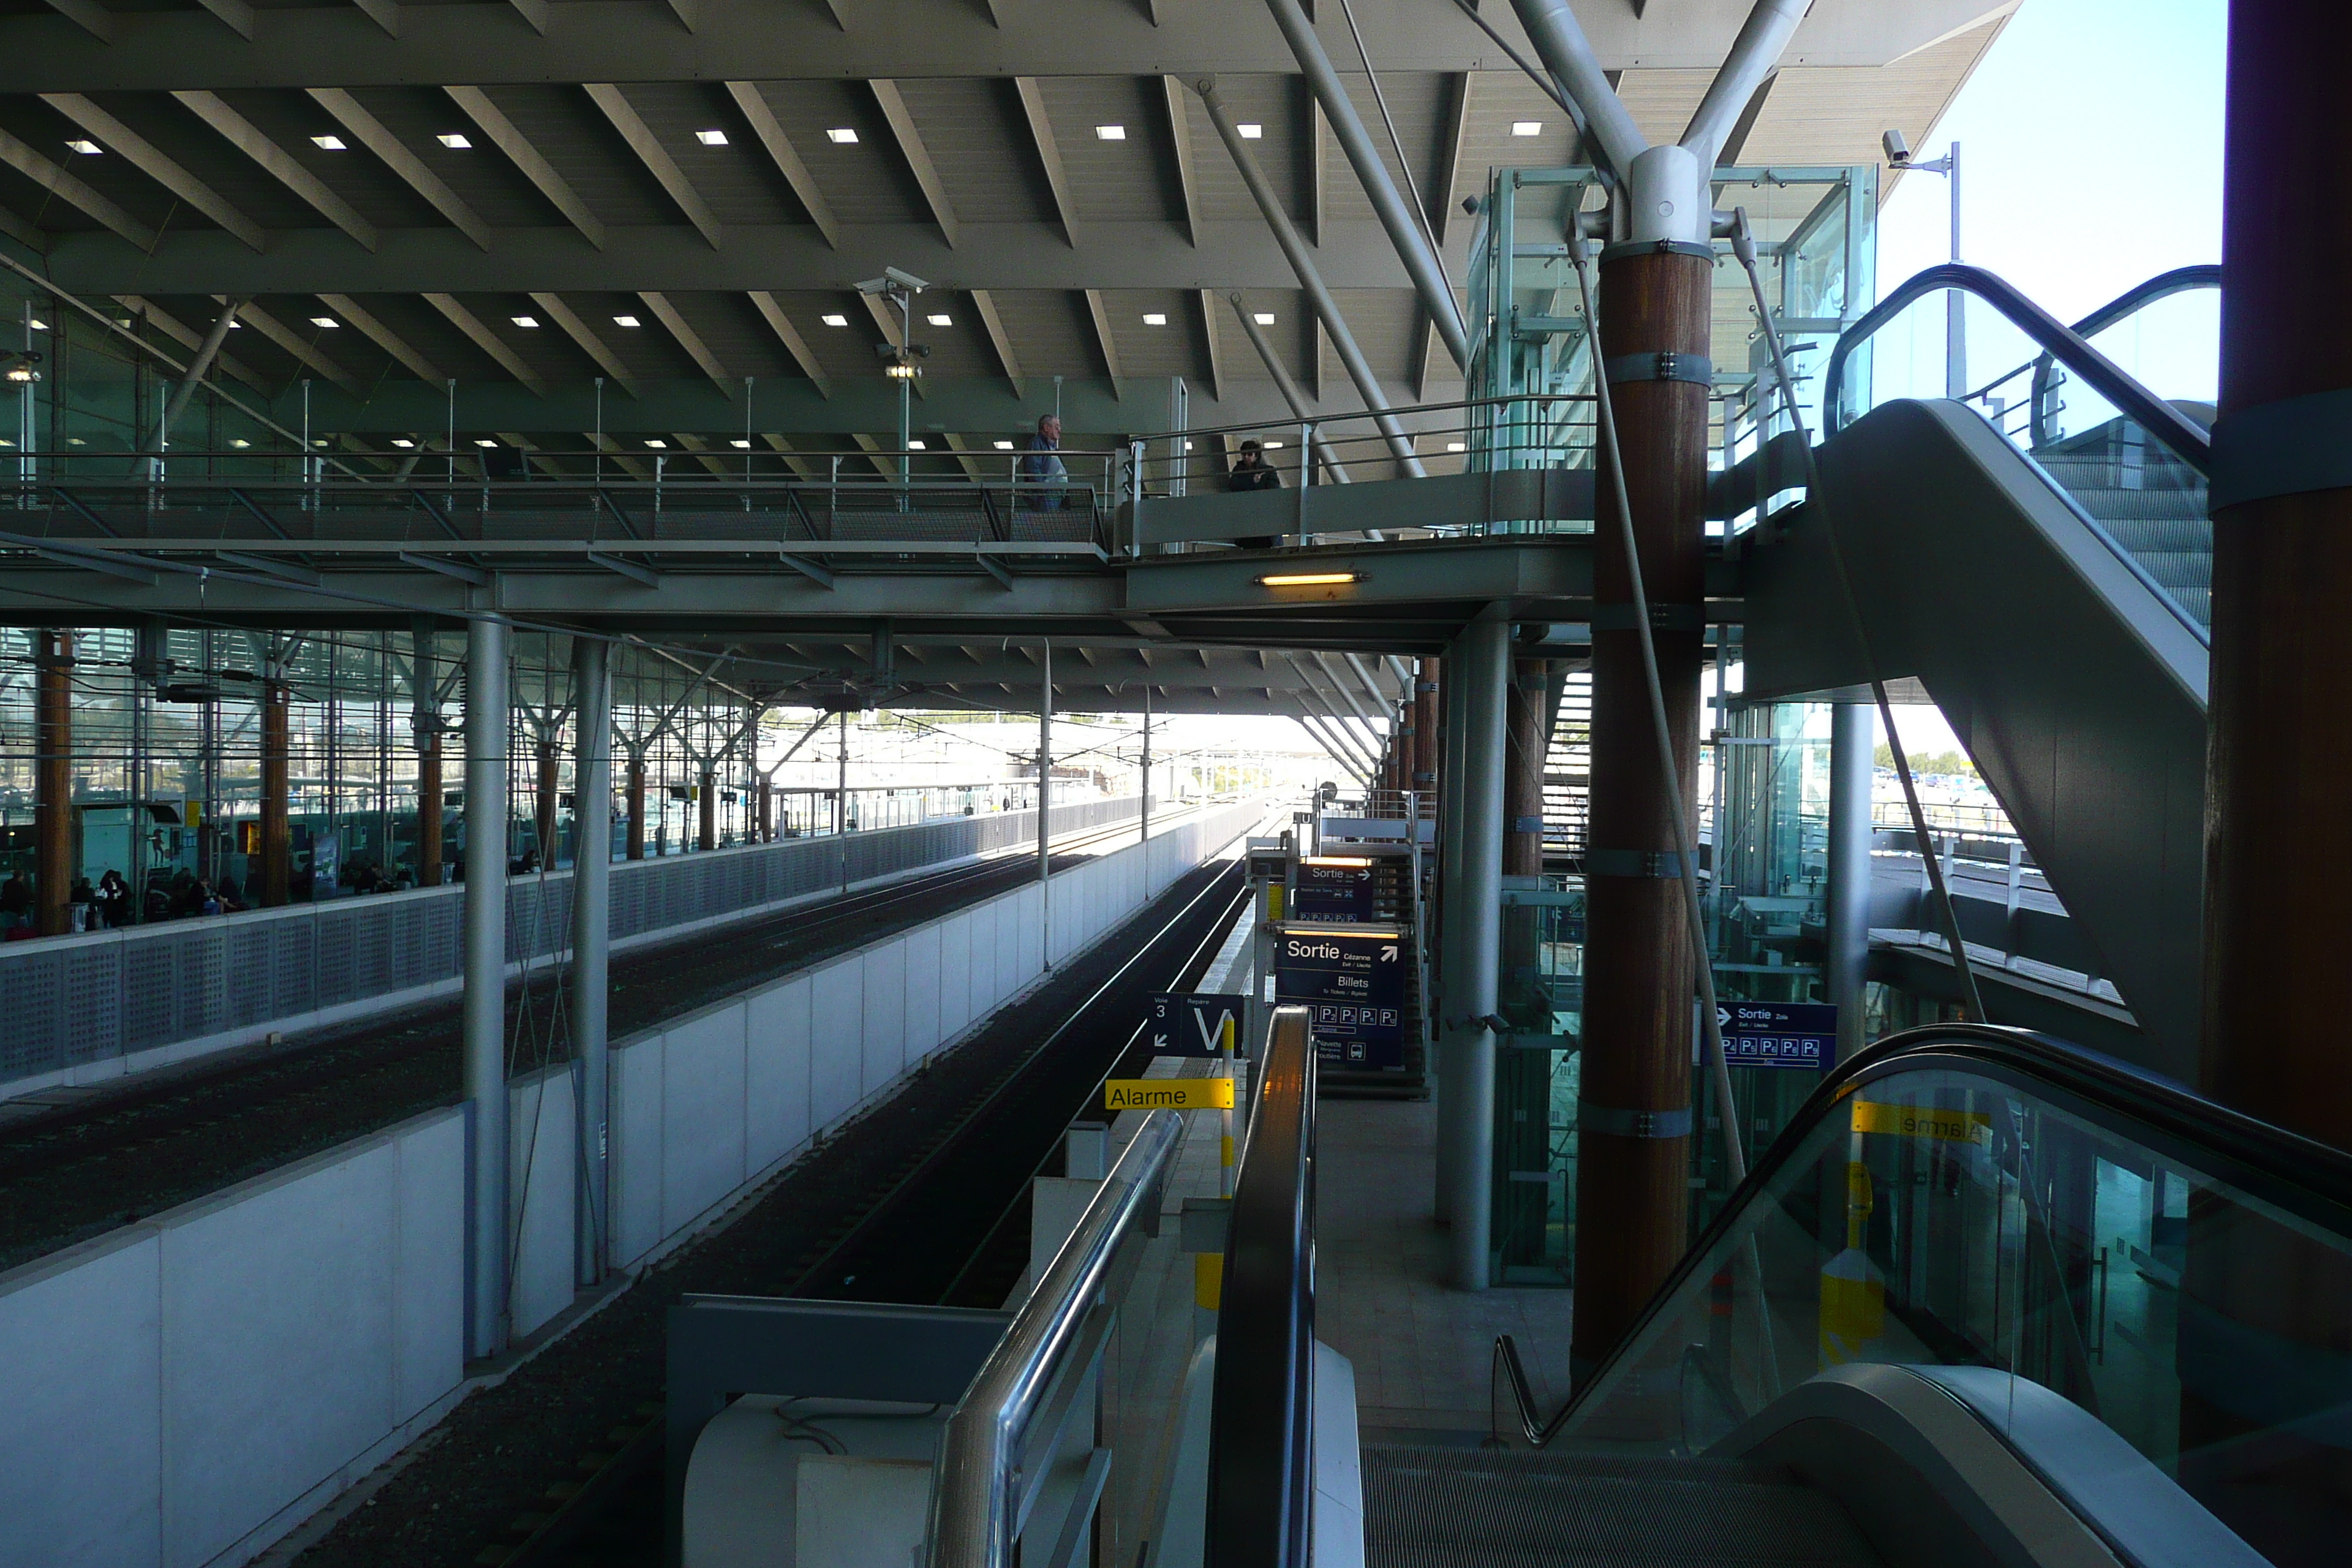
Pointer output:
1421, 1350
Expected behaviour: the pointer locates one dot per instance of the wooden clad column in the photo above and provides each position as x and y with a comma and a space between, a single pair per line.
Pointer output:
767, 811
1424, 728
707, 797
429, 800
277, 839
1635, 1115
2279, 748
53, 857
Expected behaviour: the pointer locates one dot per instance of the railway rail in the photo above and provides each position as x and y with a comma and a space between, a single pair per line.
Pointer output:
922, 1200
85, 1168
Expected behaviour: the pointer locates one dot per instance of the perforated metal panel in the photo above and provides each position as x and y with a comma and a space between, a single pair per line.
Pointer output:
29, 1040
89, 1029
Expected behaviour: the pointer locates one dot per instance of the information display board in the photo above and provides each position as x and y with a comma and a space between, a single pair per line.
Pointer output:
1352, 981
1801, 1035
1192, 1024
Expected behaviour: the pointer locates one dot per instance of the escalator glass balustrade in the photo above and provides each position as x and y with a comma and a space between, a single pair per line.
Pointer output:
2146, 1300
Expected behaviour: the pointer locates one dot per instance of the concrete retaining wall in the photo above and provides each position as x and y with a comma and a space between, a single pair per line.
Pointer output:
182, 1392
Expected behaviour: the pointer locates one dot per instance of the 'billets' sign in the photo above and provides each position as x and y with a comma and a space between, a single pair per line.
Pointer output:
1193, 1023
1352, 983
1801, 1035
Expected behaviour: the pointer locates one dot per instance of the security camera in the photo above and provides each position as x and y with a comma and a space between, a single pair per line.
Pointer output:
891, 281
1899, 151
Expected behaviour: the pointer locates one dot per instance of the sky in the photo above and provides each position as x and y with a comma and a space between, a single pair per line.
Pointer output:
2091, 159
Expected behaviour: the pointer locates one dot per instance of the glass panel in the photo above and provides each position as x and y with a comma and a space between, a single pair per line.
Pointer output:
1940, 1217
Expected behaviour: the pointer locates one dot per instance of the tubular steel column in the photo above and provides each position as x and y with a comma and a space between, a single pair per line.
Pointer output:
277, 839
1467, 1100
1853, 740
425, 724
486, 987
1449, 899
1634, 1119
2279, 843
592, 879
53, 857
635, 805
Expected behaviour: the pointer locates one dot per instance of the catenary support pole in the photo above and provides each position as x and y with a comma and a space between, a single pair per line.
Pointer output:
592, 862
1286, 236
1852, 769
1467, 1099
1404, 229
1045, 800
485, 994
1143, 828
425, 724
53, 860
277, 836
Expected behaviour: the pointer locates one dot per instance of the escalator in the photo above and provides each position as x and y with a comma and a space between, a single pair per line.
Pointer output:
1989, 1300
2048, 593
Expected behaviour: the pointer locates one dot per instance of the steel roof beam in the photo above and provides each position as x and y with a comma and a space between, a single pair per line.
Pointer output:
492, 122
91, 18
790, 336
1179, 135
279, 164
305, 351
664, 168
52, 177
985, 302
918, 158
188, 337
378, 139
1098, 313
1049, 154
753, 106
553, 308
152, 162
384, 337
489, 342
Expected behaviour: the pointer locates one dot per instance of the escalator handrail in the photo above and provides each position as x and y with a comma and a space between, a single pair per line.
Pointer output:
2123, 307
2308, 1179
2175, 430
1260, 1433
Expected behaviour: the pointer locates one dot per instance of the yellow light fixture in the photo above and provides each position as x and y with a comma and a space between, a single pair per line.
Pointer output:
1335, 860
1310, 579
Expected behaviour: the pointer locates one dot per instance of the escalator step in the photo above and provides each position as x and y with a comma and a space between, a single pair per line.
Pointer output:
1457, 1507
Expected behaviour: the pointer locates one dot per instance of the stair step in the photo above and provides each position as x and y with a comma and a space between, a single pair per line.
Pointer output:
1452, 1508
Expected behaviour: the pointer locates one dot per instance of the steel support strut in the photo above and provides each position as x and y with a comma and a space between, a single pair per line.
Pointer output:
1466, 1096
592, 873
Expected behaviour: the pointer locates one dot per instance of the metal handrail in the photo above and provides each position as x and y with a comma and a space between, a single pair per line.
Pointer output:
2180, 434
2309, 1180
975, 1492
2129, 303
1261, 1435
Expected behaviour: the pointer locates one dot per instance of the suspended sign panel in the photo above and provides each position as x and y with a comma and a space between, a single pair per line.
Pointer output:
1194, 1024
1352, 983
1801, 1035
1338, 891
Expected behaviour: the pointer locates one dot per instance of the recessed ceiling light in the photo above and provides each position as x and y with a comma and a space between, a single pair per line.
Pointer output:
329, 143
1456, 446
1273, 445
711, 138
624, 321
234, 326
914, 445
37, 324
402, 442
87, 148
484, 441
1527, 127
1004, 446
455, 140
658, 446
240, 443
1188, 445
1110, 132
76, 441
1155, 317
832, 320
739, 444
318, 443
841, 135
941, 321
325, 322
526, 320
1264, 317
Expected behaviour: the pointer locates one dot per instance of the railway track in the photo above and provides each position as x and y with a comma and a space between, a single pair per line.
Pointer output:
922, 1201
87, 1169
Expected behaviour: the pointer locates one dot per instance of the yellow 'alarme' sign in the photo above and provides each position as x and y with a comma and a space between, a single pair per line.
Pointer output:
1169, 1094
1922, 1121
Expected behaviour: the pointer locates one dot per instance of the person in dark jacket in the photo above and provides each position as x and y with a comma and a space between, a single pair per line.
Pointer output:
1250, 471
